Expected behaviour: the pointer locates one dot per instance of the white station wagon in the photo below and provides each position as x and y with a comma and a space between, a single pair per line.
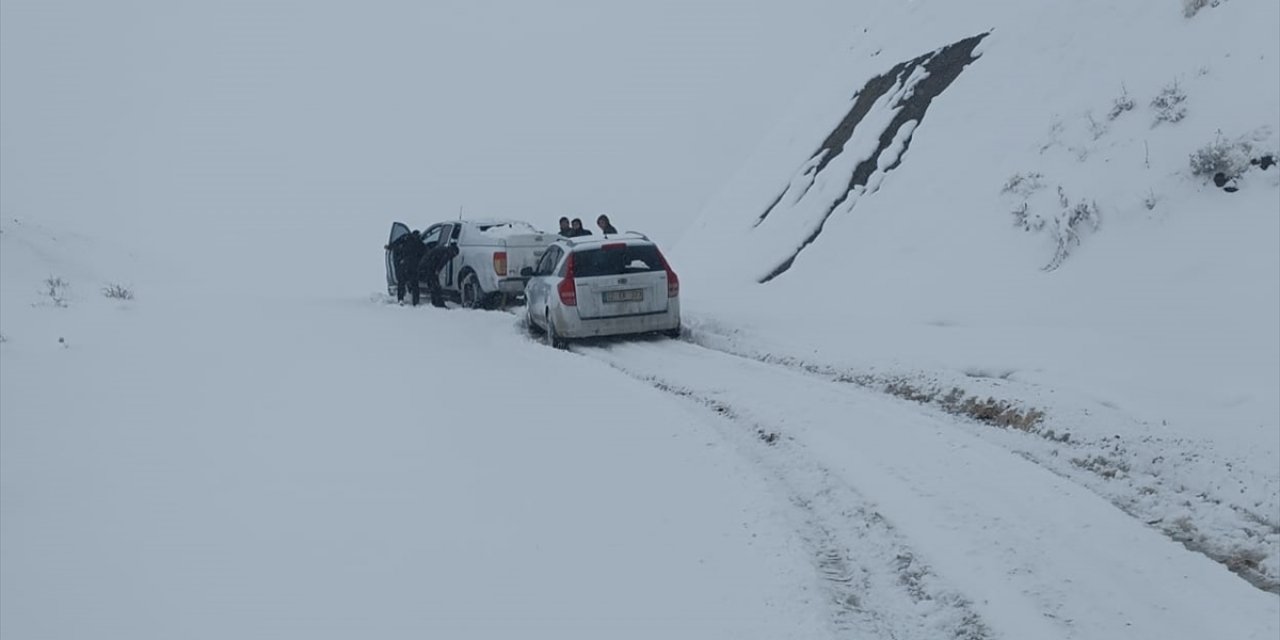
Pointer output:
593, 286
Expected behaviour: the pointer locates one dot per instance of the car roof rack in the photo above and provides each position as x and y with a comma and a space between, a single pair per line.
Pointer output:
621, 235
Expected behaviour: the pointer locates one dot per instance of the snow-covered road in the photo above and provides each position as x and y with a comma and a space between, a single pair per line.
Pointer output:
248, 462
1033, 554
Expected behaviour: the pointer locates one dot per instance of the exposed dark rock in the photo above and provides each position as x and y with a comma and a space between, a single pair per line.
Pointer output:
941, 68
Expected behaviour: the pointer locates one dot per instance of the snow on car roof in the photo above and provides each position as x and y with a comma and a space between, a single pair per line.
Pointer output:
504, 228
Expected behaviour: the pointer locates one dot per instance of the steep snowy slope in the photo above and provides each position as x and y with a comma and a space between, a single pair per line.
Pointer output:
1018, 199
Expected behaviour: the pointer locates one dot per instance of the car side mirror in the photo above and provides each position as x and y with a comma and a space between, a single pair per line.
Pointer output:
526, 272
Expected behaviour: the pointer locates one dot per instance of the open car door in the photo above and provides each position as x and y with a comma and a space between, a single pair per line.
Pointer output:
397, 229
449, 235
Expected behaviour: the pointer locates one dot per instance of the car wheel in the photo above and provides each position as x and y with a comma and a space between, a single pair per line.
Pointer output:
553, 339
532, 326
672, 333
471, 295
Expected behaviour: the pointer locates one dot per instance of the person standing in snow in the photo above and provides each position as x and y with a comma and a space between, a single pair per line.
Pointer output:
406, 252
435, 260
605, 227
566, 231
577, 230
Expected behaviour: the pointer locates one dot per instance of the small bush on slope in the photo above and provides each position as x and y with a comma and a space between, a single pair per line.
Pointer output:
1169, 104
1192, 7
1231, 159
56, 289
1066, 226
1120, 105
117, 292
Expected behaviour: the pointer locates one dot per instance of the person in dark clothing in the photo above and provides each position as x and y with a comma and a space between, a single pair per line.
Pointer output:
432, 262
406, 253
565, 230
577, 230
605, 227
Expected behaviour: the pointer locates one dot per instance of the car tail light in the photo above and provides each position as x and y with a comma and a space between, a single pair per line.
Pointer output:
567, 289
500, 262
673, 281
614, 246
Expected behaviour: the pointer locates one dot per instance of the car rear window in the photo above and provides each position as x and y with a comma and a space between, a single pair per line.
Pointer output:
615, 260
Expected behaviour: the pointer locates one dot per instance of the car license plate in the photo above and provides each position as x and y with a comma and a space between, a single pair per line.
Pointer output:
626, 295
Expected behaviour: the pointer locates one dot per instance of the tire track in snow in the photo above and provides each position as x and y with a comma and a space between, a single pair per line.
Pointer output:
1146, 477
1030, 554
874, 584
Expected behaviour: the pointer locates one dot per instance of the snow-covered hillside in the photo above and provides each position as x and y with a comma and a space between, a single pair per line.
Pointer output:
975, 346
1004, 200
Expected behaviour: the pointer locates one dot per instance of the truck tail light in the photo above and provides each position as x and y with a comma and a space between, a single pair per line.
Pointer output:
500, 263
567, 289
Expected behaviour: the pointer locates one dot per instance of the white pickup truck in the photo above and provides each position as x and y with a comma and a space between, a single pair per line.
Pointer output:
491, 254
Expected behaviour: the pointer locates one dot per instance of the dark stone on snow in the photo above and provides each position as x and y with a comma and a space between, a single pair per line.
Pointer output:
1219, 179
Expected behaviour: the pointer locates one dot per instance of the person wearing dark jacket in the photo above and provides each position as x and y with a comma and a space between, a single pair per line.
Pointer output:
435, 260
605, 228
406, 253
566, 230
577, 230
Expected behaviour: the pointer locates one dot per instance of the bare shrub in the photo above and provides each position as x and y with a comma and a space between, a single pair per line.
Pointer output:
1230, 158
908, 391
56, 288
1120, 105
1192, 7
117, 292
1169, 104
1065, 226
997, 413
1023, 184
